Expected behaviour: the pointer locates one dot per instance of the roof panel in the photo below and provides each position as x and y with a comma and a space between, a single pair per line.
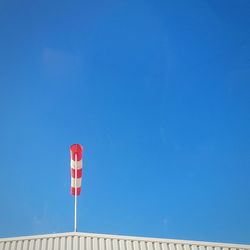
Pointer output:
84, 241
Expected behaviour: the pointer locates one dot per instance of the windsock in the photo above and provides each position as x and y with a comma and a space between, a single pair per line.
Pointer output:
76, 151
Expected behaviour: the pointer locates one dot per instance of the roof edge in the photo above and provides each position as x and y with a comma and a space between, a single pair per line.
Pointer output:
125, 237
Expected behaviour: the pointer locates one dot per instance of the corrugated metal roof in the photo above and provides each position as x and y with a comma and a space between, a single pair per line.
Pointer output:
86, 241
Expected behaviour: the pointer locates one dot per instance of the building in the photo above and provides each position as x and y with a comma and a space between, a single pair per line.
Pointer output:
87, 241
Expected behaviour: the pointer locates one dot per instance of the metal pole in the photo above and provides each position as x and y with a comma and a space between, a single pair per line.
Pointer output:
75, 219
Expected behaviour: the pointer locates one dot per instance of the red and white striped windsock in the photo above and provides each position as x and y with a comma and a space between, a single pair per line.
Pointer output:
76, 151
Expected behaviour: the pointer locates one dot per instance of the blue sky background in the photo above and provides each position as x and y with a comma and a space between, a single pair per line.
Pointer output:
157, 92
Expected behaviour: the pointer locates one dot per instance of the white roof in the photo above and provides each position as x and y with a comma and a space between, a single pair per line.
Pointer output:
87, 241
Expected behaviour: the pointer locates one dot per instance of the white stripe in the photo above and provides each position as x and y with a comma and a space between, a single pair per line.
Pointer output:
78, 163
78, 182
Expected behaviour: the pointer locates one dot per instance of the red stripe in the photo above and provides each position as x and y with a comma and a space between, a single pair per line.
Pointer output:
78, 155
76, 151
79, 173
73, 191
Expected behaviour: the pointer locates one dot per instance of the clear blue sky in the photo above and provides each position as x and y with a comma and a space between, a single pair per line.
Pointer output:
157, 92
